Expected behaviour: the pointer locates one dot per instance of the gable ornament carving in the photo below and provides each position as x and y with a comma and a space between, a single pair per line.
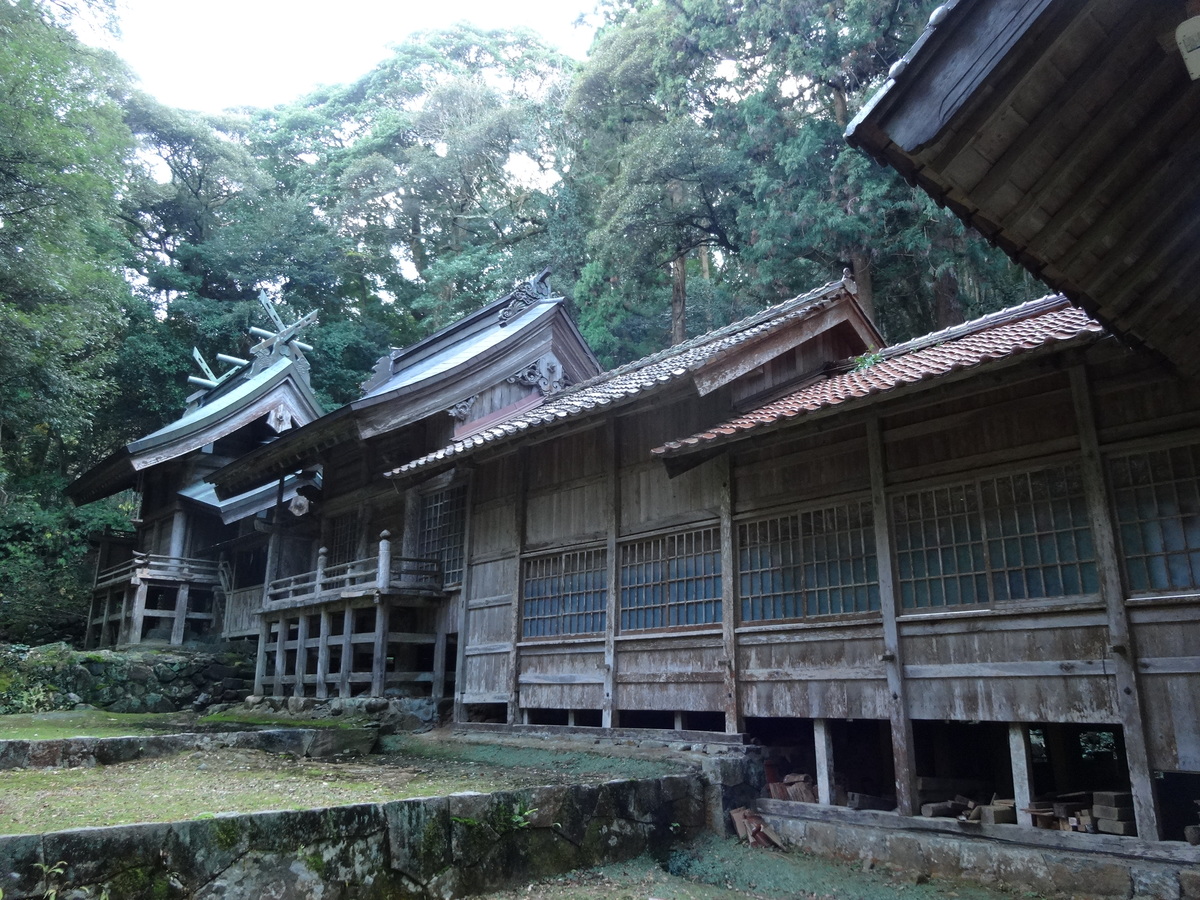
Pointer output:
546, 374
462, 409
524, 296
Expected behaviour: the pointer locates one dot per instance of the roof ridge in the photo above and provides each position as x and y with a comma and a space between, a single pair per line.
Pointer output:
1026, 310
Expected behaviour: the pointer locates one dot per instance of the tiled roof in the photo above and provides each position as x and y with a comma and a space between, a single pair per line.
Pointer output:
1021, 329
636, 379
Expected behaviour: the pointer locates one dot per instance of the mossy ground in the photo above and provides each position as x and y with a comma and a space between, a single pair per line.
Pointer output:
61, 724
199, 784
721, 869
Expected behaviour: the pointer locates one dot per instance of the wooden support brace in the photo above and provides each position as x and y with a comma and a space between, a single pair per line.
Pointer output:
1022, 770
179, 623
823, 741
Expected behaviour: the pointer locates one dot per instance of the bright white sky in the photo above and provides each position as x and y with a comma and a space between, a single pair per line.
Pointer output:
210, 55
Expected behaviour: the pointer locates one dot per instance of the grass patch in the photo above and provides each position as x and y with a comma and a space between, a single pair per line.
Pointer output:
90, 723
580, 765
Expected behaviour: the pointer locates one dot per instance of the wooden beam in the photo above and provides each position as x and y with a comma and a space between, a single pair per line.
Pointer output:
323, 654
380, 648
137, 614
823, 743
179, 623
520, 512
1122, 651
280, 658
612, 599
462, 601
889, 605
298, 670
347, 650
1022, 770
260, 659
733, 715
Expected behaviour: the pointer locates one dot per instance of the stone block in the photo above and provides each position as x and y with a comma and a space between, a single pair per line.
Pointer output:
1089, 878
1189, 884
19, 872
1155, 883
341, 742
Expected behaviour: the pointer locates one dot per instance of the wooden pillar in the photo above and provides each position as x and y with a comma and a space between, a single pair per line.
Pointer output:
438, 689
136, 614
179, 623
298, 670
889, 605
323, 655
1022, 770
177, 544
260, 661
823, 741
608, 715
383, 569
463, 605
379, 650
515, 624
347, 650
733, 712
277, 689
1122, 652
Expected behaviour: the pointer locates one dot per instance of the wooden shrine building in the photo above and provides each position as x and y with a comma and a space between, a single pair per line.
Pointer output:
194, 568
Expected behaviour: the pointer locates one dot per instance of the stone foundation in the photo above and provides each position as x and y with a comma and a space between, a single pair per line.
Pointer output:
1019, 858
439, 847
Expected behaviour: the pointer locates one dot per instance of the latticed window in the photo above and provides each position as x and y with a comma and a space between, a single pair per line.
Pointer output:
815, 563
343, 539
1011, 537
565, 594
443, 519
671, 580
1157, 500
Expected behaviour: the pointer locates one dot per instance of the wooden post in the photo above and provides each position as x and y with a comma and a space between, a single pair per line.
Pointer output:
608, 715
179, 624
379, 651
280, 658
823, 741
137, 614
347, 650
383, 572
319, 576
323, 655
1122, 652
1018, 749
463, 601
515, 625
733, 713
178, 539
438, 689
889, 605
298, 671
260, 660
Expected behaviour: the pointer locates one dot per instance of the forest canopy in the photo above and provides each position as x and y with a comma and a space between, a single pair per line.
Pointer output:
690, 171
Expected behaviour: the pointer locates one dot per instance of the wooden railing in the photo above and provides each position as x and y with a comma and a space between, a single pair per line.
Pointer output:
152, 565
383, 573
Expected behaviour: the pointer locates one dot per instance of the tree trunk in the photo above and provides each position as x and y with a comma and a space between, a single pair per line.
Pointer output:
947, 306
862, 277
679, 299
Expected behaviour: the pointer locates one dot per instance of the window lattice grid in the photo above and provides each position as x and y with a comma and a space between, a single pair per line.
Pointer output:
671, 580
1012, 537
565, 594
443, 518
1039, 535
343, 539
820, 562
939, 547
1157, 500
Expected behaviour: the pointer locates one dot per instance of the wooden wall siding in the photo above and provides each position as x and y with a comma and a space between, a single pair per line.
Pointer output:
1033, 417
840, 342
486, 635
570, 458
497, 397
650, 499
799, 470
681, 672
670, 416
493, 528
1135, 397
990, 667
567, 513
825, 671
567, 676
494, 479
1165, 635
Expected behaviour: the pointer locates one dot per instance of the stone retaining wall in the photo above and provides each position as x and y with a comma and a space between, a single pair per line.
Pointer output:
1051, 863
439, 847
85, 751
